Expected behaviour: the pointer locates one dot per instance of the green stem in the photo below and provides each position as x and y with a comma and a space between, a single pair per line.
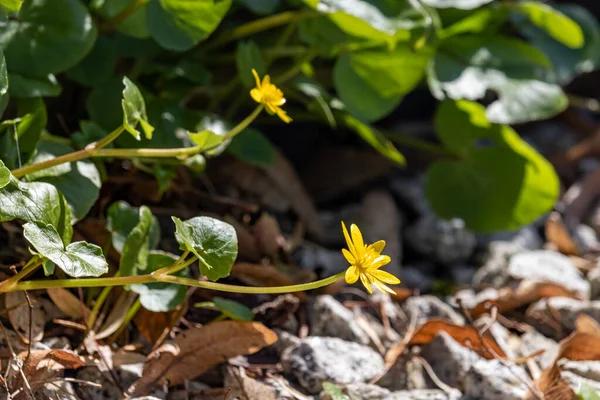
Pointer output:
178, 266
244, 124
182, 152
130, 314
89, 151
122, 16
99, 303
31, 266
129, 280
259, 25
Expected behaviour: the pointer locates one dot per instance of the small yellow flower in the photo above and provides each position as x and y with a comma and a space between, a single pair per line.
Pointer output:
270, 95
365, 261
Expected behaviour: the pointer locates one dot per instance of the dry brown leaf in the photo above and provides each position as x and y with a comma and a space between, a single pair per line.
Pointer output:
263, 275
268, 235
511, 298
68, 303
467, 336
155, 326
245, 388
581, 345
401, 294
197, 350
19, 316
558, 234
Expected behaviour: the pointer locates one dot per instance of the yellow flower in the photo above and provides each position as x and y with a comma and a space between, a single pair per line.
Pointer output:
365, 261
270, 95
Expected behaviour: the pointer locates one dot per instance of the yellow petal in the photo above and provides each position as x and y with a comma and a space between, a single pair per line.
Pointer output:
383, 288
283, 115
349, 257
366, 283
379, 262
351, 275
256, 95
385, 277
256, 78
378, 246
348, 241
357, 238
266, 80
271, 109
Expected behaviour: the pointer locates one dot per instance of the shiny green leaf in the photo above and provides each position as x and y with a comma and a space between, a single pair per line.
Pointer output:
134, 111
558, 25
4, 175
78, 259
134, 258
214, 242
121, 220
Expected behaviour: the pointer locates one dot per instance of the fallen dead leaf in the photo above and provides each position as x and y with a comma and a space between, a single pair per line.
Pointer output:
244, 387
68, 303
268, 235
511, 298
467, 336
19, 316
197, 350
263, 275
275, 313
558, 234
581, 345
117, 315
155, 326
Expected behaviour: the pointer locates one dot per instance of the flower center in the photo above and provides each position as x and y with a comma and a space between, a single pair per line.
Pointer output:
271, 94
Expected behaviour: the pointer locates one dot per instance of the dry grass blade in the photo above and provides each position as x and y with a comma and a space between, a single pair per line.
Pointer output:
68, 303
467, 336
197, 350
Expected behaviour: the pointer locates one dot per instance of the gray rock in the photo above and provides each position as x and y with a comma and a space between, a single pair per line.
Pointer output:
405, 374
462, 275
317, 258
365, 391
411, 191
424, 308
332, 223
564, 310
476, 377
585, 369
549, 266
594, 278
534, 341
526, 238
585, 237
448, 242
330, 318
285, 340
424, 394
415, 277
317, 359
397, 317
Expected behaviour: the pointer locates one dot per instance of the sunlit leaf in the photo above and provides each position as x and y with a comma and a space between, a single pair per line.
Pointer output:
134, 110
134, 258
78, 259
121, 219
214, 242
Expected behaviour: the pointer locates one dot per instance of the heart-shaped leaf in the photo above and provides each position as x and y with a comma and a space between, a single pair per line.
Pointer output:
498, 181
79, 182
137, 244
214, 242
59, 32
134, 111
161, 297
208, 141
78, 259
121, 219
181, 24
36, 201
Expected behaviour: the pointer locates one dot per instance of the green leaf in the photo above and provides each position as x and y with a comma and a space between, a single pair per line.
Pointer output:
214, 242
586, 392
375, 138
24, 87
321, 34
121, 220
252, 147
89, 132
161, 297
261, 7
103, 106
134, 111
568, 62
49, 267
372, 83
248, 57
498, 182
488, 19
557, 24
11, 5
4, 175
371, 19
79, 182
98, 66
78, 259
137, 245
29, 126
467, 66
48, 36
181, 24
164, 174
134, 25
208, 140
334, 392
460, 4
233, 310
36, 201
